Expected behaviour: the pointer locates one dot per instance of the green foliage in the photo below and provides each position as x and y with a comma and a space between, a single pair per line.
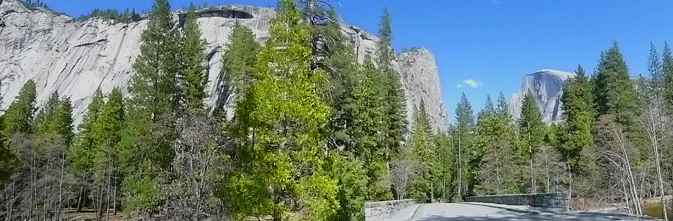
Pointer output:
578, 116
532, 132
81, 150
463, 134
531, 127
492, 167
106, 135
8, 159
48, 110
106, 130
667, 72
239, 60
127, 16
56, 118
485, 137
656, 73
19, 115
194, 77
444, 165
145, 150
285, 113
421, 184
385, 50
394, 101
352, 180
368, 123
34, 4
614, 91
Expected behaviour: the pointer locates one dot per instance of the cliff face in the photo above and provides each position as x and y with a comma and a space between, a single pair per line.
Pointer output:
547, 88
419, 74
75, 58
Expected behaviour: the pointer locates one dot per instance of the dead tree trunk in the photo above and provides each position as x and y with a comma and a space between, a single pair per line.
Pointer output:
32, 185
570, 189
10, 201
60, 190
107, 201
114, 197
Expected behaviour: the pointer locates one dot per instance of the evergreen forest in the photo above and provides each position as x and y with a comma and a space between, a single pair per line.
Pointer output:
316, 134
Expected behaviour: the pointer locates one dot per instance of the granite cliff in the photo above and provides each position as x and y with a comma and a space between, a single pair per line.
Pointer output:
74, 58
547, 88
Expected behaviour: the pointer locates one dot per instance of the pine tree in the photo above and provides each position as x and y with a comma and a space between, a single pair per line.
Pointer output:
421, 144
8, 159
656, 73
284, 111
194, 75
368, 124
81, 152
333, 54
145, 150
485, 141
578, 116
238, 62
394, 101
614, 91
106, 132
56, 118
531, 133
444, 159
19, 115
48, 110
464, 139
506, 148
667, 75
63, 122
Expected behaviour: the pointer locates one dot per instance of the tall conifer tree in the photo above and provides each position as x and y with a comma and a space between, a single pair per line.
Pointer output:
368, 124
614, 91
463, 141
667, 75
421, 186
284, 111
531, 133
194, 77
394, 101
8, 160
578, 116
148, 135
21, 112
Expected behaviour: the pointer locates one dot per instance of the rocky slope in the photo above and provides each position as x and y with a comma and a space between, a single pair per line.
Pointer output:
75, 58
421, 79
547, 88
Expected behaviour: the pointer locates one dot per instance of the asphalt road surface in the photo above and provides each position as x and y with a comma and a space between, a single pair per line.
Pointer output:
485, 211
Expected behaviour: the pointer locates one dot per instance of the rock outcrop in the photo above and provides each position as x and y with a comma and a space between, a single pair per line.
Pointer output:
547, 88
419, 74
75, 58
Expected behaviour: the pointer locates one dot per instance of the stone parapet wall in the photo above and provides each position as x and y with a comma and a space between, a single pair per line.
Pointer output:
544, 200
376, 211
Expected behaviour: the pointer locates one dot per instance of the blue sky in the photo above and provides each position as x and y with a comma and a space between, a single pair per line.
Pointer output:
494, 43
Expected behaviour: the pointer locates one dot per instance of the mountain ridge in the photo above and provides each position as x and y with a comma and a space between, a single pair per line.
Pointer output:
76, 57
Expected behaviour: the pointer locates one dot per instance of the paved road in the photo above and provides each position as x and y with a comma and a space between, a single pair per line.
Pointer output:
484, 211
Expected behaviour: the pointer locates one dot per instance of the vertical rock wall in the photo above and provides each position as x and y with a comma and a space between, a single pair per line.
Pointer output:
75, 58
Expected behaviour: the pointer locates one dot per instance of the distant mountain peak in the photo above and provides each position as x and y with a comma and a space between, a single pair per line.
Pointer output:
562, 74
546, 85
